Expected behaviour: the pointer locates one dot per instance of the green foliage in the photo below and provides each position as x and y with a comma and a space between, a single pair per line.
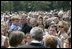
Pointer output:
34, 5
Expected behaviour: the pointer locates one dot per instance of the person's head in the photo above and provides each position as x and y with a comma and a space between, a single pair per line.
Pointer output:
15, 19
28, 37
23, 18
46, 23
67, 43
52, 29
60, 13
63, 26
35, 16
6, 17
69, 12
40, 21
66, 16
36, 33
33, 22
55, 14
56, 19
28, 20
4, 42
49, 15
50, 42
45, 17
16, 38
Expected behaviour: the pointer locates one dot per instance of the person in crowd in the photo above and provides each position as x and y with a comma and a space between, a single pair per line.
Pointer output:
4, 28
50, 42
69, 31
63, 28
67, 43
7, 18
2, 16
4, 40
15, 23
28, 38
57, 16
52, 30
40, 22
37, 36
16, 38
60, 14
33, 22
25, 27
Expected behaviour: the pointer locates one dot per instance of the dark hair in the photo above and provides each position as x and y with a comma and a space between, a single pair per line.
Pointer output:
40, 17
16, 38
46, 26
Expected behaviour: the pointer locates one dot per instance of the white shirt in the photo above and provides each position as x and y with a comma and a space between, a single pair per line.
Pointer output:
3, 38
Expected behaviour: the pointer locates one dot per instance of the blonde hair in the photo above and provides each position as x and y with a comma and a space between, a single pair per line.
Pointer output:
64, 24
50, 41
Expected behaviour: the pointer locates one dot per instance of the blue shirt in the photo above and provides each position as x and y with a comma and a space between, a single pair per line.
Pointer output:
14, 27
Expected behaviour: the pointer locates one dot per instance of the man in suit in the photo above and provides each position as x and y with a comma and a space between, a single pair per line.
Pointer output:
25, 27
36, 41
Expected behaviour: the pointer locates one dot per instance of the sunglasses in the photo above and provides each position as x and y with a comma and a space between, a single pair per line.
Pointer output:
61, 27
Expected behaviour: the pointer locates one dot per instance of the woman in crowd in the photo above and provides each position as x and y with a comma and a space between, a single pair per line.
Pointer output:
50, 42
67, 43
63, 28
52, 30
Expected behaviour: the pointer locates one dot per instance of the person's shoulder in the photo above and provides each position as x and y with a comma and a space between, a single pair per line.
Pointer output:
57, 38
28, 25
3, 36
13, 26
65, 34
36, 44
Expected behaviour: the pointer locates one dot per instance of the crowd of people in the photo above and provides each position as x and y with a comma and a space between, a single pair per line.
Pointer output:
36, 29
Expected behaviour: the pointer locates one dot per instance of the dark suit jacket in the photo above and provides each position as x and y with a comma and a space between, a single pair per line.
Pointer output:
26, 28
32, 45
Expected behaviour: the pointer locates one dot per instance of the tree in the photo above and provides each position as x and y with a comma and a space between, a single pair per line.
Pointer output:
34, 5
